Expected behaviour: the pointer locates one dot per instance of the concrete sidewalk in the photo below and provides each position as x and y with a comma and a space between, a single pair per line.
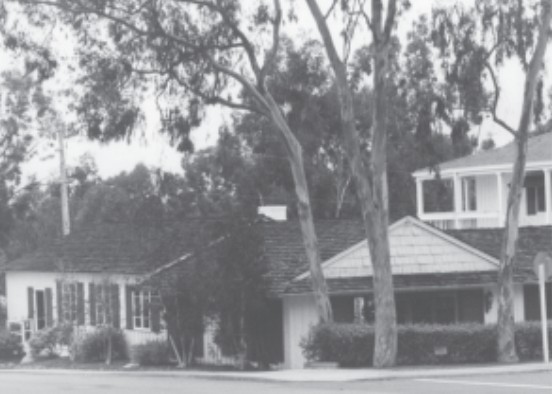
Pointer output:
320, 375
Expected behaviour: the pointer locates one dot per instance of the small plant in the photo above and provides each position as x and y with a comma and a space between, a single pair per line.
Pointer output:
49, 341
10, 347
152, 353
94, 346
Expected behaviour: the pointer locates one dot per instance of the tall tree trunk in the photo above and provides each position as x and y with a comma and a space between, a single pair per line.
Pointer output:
310, 240
506, 341
371, 180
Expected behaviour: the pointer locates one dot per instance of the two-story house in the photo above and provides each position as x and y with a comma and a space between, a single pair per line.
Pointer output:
475, 188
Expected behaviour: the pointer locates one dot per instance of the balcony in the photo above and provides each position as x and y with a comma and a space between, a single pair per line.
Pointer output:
461, 220
479, 200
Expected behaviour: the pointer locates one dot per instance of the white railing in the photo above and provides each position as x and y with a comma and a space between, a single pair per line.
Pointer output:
460, 220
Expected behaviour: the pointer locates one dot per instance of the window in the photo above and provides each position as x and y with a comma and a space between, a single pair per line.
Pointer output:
534, 193
469, 194
70, 302
141, 307
103, 305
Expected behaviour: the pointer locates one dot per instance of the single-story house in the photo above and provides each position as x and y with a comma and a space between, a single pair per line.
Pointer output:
440, 276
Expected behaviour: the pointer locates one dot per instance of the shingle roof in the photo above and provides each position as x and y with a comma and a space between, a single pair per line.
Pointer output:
539, 149
488, 240
123, 248
400, 282
531, 241
286, 254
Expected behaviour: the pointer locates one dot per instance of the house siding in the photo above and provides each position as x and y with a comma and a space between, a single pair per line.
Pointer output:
17, 284
299, 316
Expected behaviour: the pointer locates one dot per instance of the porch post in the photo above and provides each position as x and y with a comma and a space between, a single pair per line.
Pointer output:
457, 200
548, 194
419, 197
500, 202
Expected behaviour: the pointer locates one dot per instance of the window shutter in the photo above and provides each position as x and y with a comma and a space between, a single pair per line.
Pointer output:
30, 301
128, 305
49, 308
59, 301
92, 302
115, 306
80, 303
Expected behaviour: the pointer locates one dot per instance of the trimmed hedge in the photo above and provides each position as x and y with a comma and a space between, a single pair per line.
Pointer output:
10, 347
352, 345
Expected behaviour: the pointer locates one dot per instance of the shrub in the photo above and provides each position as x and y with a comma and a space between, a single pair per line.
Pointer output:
10, 347
151, 353
529, 340
93, 346
352, 345
48, 341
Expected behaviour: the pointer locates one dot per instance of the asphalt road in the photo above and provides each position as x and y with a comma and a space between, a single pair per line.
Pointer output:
13, 382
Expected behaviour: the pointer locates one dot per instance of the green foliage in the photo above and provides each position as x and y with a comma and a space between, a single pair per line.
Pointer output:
48, 341
10, 347
93, 346
152, 353
352, 345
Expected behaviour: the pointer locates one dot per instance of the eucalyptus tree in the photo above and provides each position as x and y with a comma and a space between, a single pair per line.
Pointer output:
197, 52
370, 177
474, 44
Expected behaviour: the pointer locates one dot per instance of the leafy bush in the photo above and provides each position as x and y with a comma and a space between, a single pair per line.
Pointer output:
352, 345
10, 347
48, 341
151, 353
529, 340
93, 346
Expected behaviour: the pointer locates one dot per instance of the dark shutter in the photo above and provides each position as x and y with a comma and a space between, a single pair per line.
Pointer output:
155, 308
115, 306
59, 301
30, 302
80, 303
49, 308
92, 303
128, 307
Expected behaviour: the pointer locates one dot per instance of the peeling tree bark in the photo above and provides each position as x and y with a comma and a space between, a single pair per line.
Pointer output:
370, 179
506, 341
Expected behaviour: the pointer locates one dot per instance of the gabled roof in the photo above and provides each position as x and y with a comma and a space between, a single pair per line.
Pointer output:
485, 242
539, 150
419, 252
117, 248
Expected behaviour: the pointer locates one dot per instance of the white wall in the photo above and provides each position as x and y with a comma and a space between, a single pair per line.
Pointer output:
17, 303
299, 316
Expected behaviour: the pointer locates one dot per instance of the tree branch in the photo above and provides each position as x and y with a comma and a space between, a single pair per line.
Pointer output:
494, 114
271, 55
389, 19
327, 14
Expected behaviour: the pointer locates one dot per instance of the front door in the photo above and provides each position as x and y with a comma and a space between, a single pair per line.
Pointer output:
40, 309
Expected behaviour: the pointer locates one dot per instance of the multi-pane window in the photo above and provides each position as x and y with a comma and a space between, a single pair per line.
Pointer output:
103, 305
70, 302
141, 310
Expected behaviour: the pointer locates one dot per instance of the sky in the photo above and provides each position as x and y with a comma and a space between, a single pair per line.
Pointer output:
154, 149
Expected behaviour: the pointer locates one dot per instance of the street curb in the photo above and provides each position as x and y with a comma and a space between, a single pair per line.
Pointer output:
346, 375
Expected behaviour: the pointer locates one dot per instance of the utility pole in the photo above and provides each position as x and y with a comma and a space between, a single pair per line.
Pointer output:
66, 222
